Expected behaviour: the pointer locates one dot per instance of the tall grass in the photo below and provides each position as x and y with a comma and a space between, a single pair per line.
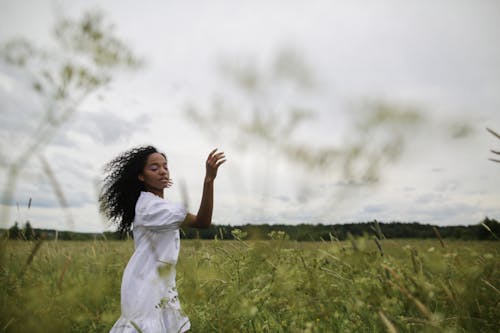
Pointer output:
263, 286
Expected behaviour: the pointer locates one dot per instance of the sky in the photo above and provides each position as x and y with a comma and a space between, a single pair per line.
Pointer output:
339, 62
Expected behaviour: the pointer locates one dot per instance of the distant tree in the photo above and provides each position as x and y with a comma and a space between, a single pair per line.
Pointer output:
29, 233
111, 235
14, 231
488, 229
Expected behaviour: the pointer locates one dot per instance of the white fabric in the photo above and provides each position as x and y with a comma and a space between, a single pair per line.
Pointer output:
149, 299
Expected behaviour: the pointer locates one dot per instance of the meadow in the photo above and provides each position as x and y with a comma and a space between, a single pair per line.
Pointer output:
360, 285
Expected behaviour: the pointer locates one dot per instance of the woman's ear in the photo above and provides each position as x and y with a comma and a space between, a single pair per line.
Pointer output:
140, 177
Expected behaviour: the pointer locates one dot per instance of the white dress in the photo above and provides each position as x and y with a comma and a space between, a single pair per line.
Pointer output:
149, 300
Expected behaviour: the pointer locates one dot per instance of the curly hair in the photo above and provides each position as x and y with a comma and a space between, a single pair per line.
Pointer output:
121, 186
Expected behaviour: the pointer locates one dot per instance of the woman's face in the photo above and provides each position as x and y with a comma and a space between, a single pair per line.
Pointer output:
155, 174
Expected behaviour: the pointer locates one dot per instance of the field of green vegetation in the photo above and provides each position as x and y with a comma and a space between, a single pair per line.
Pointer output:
263, 286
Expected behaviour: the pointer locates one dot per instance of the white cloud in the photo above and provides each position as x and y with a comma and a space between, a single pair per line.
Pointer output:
443, 58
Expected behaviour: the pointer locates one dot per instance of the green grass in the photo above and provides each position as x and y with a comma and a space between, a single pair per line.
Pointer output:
263, 286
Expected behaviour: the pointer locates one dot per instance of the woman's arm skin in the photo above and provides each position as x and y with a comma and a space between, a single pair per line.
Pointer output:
204, 217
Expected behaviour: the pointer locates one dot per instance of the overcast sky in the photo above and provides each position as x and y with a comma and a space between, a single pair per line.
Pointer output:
439, 59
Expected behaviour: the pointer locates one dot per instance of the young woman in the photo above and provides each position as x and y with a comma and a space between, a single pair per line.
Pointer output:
132, 198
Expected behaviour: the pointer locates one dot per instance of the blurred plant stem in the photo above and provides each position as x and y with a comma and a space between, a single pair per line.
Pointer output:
85, 57
276, 101
494, 151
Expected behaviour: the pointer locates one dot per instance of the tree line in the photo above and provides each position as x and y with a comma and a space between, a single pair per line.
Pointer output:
488, 229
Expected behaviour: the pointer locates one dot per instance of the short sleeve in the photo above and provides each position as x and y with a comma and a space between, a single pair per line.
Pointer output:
160, 214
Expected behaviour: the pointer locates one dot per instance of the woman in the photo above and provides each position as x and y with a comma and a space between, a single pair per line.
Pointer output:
132, 198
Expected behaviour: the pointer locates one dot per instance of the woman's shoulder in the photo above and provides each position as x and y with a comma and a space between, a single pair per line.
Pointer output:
148, 202
154, 211
148, 196
145, 200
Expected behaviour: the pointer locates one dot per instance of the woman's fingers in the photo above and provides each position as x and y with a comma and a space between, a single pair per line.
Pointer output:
214, 157
214, 160
219, 162
212, 153
218, 156
219, 159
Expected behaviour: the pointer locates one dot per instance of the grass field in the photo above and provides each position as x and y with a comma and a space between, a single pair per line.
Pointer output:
263, 286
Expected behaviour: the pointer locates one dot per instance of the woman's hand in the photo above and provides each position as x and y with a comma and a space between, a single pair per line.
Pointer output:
214, 161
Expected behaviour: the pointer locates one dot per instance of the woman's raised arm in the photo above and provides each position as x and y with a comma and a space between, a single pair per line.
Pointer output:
204, 217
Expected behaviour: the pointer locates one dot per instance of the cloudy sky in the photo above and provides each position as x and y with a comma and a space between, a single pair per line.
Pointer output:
410, 87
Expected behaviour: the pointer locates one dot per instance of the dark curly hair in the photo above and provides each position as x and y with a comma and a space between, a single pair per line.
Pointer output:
121, 187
